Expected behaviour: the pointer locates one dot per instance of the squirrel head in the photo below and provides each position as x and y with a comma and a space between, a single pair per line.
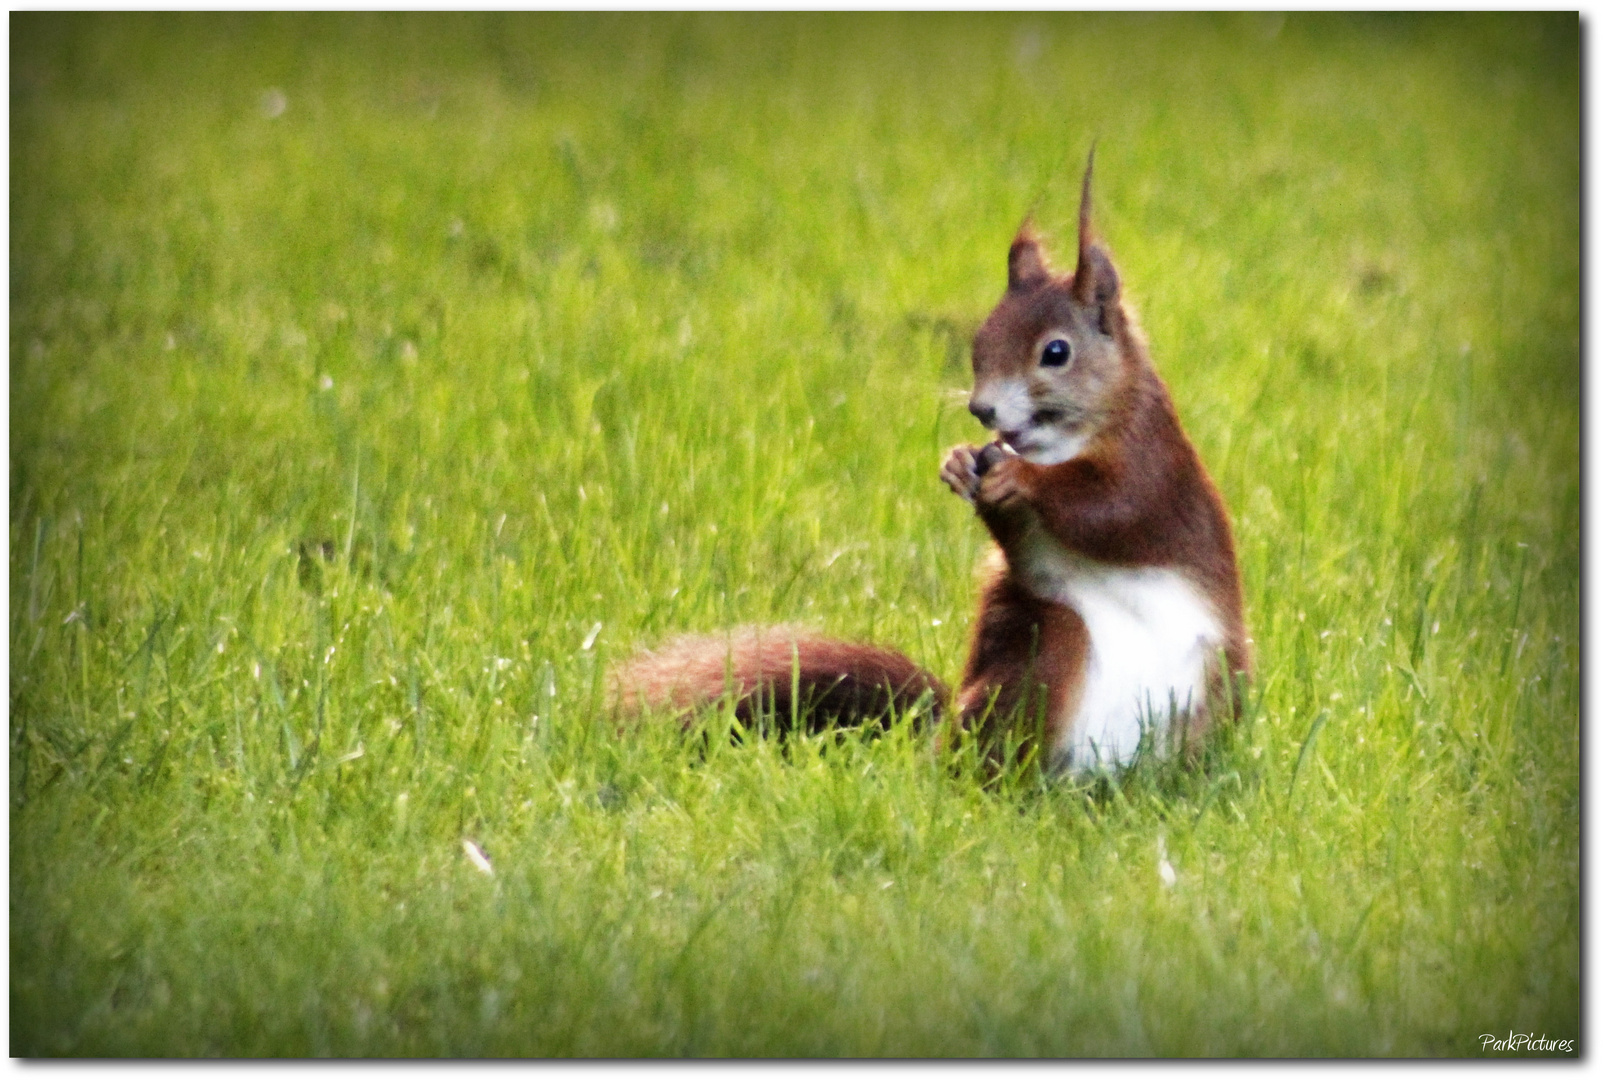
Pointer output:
1052, 361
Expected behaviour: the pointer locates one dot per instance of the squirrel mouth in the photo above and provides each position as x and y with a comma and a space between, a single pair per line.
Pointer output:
1020, 441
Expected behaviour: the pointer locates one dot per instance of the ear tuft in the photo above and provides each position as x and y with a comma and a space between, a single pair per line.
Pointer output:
1026, 262
1086, 237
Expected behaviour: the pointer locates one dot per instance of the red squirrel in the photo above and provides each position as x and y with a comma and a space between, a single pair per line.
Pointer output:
1112, 604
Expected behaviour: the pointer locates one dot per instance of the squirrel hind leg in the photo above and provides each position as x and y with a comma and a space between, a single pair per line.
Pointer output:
1025, 676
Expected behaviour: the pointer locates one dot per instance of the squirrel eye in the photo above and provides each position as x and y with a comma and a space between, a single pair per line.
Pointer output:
1056, 353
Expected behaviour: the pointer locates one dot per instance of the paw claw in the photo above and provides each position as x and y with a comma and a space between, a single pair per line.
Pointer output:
960, 473
1001, 487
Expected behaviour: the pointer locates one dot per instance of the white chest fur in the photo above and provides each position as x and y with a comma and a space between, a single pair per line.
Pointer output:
1152, 631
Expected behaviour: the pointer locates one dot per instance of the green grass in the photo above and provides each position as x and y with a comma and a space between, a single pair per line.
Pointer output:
335, 434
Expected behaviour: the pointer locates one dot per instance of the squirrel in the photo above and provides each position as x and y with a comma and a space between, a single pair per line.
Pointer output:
1112, 603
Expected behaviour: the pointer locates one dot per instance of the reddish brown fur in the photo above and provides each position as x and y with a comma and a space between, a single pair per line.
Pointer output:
1138, 495
758, 667
1140, 498
1026, 662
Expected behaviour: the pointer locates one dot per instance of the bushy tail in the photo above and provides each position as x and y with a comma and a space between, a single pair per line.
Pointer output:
777, 671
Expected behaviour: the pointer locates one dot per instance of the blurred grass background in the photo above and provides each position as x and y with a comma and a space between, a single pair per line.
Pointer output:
375, 379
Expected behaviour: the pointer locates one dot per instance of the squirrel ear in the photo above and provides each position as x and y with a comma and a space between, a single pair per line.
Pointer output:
1095, 279
1026, 263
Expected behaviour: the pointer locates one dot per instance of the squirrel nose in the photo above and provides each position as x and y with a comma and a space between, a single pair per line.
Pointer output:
985, 414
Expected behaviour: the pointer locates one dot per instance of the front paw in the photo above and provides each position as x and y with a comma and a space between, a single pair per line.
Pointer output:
961, 471
1004, 487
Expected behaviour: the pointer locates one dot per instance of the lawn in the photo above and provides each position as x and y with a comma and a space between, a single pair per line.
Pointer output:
376, 381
